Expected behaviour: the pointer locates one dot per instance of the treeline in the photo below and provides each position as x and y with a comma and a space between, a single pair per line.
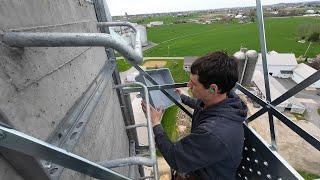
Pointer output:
309, 32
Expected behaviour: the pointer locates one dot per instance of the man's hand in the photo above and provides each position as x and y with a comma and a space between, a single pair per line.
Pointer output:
156, 114
178, 91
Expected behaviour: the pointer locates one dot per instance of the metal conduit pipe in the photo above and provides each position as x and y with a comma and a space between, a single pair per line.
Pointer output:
152, 147
137, 44
127, 162
27, 39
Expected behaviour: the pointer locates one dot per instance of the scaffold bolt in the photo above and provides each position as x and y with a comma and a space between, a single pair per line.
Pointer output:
2, 135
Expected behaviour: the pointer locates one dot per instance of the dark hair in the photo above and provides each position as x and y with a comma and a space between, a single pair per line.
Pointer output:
216, 68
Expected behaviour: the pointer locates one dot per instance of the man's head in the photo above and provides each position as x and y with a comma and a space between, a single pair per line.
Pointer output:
212, 75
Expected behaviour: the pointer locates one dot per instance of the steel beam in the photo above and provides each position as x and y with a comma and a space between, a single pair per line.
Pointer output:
263, 47
294, 127
39, 149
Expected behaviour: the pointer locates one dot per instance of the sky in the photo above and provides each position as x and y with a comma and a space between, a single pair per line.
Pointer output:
119, 7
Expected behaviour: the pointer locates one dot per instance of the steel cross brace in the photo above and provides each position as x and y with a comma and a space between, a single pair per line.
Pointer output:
271, 108
299, 87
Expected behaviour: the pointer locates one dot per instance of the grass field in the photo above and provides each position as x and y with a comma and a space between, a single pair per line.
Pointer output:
199, 39
169, 122
123, 65
308, 176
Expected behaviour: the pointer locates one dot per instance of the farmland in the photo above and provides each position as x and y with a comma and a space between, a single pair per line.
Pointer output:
198, 39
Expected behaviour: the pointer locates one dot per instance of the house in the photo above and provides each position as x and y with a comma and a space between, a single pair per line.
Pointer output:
155, 23
310, 11
279, 64
188, 60
302, 72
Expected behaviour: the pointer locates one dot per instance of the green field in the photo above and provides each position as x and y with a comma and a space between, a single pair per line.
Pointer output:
198, 39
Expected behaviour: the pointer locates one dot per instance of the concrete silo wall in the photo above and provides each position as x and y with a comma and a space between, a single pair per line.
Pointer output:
39, 85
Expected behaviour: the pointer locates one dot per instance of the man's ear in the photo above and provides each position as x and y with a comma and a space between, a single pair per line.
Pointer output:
213, 89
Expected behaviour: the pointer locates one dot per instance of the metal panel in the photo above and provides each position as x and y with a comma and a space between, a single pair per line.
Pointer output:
157, 98
163, 91
261, 162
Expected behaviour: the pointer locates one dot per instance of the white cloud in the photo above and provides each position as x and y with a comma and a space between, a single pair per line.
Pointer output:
119, 7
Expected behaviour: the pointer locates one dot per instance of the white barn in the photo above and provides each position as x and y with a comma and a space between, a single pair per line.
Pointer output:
280, 65
276, 90
302, 72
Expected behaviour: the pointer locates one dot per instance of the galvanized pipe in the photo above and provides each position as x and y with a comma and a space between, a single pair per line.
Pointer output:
132, 151
152, 161
110, 24
127, 162
137, 125
27, 39
137, 44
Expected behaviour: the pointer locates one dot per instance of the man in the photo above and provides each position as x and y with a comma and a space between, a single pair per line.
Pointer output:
213, 149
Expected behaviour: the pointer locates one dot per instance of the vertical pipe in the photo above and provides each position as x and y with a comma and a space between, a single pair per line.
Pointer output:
263, 46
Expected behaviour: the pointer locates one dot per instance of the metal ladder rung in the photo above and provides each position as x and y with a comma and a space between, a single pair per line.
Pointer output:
145, 177
136, 126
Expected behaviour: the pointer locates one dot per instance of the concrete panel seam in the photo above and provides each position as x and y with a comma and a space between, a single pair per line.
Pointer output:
52, 71
47, 26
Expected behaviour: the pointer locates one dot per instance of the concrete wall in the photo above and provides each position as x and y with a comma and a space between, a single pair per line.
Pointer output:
39, 85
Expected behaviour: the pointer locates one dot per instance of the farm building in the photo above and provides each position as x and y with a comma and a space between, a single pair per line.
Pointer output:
188, 60
302, 72
155, 23
276, 90
279, 64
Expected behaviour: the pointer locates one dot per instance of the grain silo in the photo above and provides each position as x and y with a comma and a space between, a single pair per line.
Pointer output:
241, 58
143, 35
252, 58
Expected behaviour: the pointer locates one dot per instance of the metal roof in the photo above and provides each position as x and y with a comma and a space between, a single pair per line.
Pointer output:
279, 59
304, 70
276, 89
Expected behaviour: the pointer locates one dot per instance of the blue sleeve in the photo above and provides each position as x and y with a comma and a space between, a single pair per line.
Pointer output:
197, 150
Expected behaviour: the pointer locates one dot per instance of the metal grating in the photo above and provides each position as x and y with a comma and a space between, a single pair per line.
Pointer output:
261, 162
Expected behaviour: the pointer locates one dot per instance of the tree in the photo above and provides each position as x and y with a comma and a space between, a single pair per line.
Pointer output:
314, 37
